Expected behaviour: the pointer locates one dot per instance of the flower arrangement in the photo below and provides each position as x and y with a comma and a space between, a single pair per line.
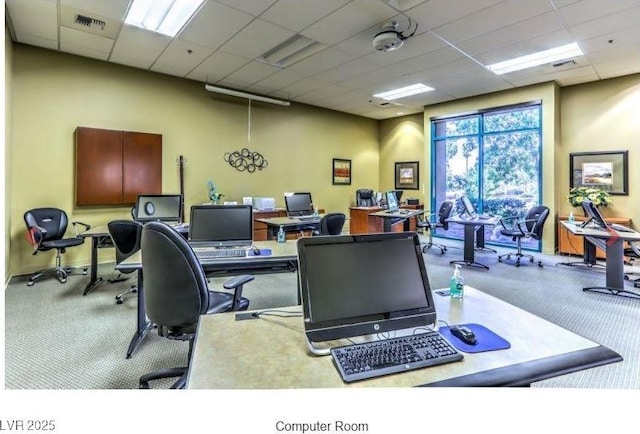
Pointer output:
214, 195
597, 196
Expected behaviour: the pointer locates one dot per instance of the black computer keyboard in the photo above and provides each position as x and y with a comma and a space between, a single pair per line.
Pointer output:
390, 356
213, 252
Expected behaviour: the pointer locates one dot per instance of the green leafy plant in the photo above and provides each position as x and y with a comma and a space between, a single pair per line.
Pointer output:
214, 194
597, 196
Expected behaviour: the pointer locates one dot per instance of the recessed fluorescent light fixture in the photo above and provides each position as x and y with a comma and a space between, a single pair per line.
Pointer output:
540, 58
292, 50
401, 92
161, 16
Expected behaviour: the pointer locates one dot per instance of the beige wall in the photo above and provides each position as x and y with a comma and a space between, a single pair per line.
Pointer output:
602, 116
54, 93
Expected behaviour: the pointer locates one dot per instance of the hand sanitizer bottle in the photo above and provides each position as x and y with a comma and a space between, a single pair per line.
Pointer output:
572, 219
456, 284
281, 237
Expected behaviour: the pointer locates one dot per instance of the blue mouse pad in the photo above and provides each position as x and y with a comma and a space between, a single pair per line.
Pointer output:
486, 340
263, 252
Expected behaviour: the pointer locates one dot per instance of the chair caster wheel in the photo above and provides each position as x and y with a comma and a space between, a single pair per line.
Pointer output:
119, 301
517, 264
540, 264
30, 283
499, 259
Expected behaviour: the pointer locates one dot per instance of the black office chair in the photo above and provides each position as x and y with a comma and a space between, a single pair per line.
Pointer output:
331, 224
633, 252
176, 293
126, 235
430, 222
531, 227
365, 197
45, 231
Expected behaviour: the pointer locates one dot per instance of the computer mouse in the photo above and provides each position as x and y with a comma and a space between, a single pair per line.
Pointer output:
464, 334
256, 251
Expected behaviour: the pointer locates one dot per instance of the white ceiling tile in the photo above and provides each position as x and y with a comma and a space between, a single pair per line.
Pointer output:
325, 59
349, 20
345, 71
180, 57
305, 86
618, 67
253, 72
112, 9
34, 20
84, 44
253, 7
435, 13
425, 61
256, 39
137, 47
297, 15
214, 24
588, 10
494, 17
371, 79
605, 25
217, 66
109, 28
279, 80
522, 48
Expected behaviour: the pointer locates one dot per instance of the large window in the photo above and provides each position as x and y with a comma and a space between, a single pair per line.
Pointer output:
494, 158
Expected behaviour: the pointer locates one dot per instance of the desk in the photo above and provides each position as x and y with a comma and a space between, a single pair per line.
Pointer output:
274, 353
613, 245
284, 257
288, 224
471, 241
361, 221
390, 218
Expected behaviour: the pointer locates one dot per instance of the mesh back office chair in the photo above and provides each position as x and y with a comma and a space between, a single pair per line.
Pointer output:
331, 224
45, 231
430, 222
126, 236
365, 197
176, 292
531, 227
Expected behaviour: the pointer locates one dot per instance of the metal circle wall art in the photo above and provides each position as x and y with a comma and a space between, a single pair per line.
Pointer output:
245, 160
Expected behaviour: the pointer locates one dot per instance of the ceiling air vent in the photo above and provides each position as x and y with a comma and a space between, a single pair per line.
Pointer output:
90, 22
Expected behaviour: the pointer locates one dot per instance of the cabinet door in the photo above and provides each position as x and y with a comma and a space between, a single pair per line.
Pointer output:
98, 166
142, 165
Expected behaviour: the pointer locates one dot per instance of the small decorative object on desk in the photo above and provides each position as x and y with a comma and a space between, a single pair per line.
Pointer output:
281, 236
598, 196
214, 195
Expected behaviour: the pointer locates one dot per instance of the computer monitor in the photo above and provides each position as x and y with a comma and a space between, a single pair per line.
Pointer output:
469, 209
392, 201
355, 285
591, 210
221, 225
162, 207
298, 203
398, 195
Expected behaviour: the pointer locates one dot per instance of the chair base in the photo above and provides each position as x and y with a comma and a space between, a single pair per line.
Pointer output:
442, 248
519, 256
180, 383
60, 273
120, 297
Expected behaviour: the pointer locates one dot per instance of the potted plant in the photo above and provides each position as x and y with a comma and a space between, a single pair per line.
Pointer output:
596, 195
214, 194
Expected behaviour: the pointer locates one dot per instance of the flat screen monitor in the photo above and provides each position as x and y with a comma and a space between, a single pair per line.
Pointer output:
162, 207
469, 209
398, 195
591, 210
355, 285
392, 201
298, 203
221, 225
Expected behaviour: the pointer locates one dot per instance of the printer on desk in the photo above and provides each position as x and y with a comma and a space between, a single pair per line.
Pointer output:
263, 203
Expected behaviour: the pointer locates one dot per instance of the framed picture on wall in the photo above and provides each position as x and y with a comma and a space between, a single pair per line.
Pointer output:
341, 172
606, 171
407, 175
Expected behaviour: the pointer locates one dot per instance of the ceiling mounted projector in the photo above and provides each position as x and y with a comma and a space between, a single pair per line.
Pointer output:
390, 38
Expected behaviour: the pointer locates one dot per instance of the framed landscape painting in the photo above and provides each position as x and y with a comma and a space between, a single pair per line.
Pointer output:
407, 175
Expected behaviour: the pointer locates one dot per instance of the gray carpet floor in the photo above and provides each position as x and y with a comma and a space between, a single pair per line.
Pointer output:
58, 339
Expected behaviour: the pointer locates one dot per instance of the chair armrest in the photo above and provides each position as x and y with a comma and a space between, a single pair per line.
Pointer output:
35, 236
522, 226
75, 229
236, 283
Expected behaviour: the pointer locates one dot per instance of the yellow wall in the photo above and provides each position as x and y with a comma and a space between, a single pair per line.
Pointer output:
8, 97
54, 93
401, 140
602, 116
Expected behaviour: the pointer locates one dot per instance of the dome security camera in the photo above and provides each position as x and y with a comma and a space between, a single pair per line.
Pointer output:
389, 38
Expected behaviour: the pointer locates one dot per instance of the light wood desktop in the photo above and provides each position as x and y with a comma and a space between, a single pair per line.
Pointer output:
271, 352
283, 257
612, 243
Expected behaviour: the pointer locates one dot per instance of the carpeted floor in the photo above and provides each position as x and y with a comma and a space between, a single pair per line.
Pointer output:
58, 339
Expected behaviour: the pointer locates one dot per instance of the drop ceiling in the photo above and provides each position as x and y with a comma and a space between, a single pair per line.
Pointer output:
225, 41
